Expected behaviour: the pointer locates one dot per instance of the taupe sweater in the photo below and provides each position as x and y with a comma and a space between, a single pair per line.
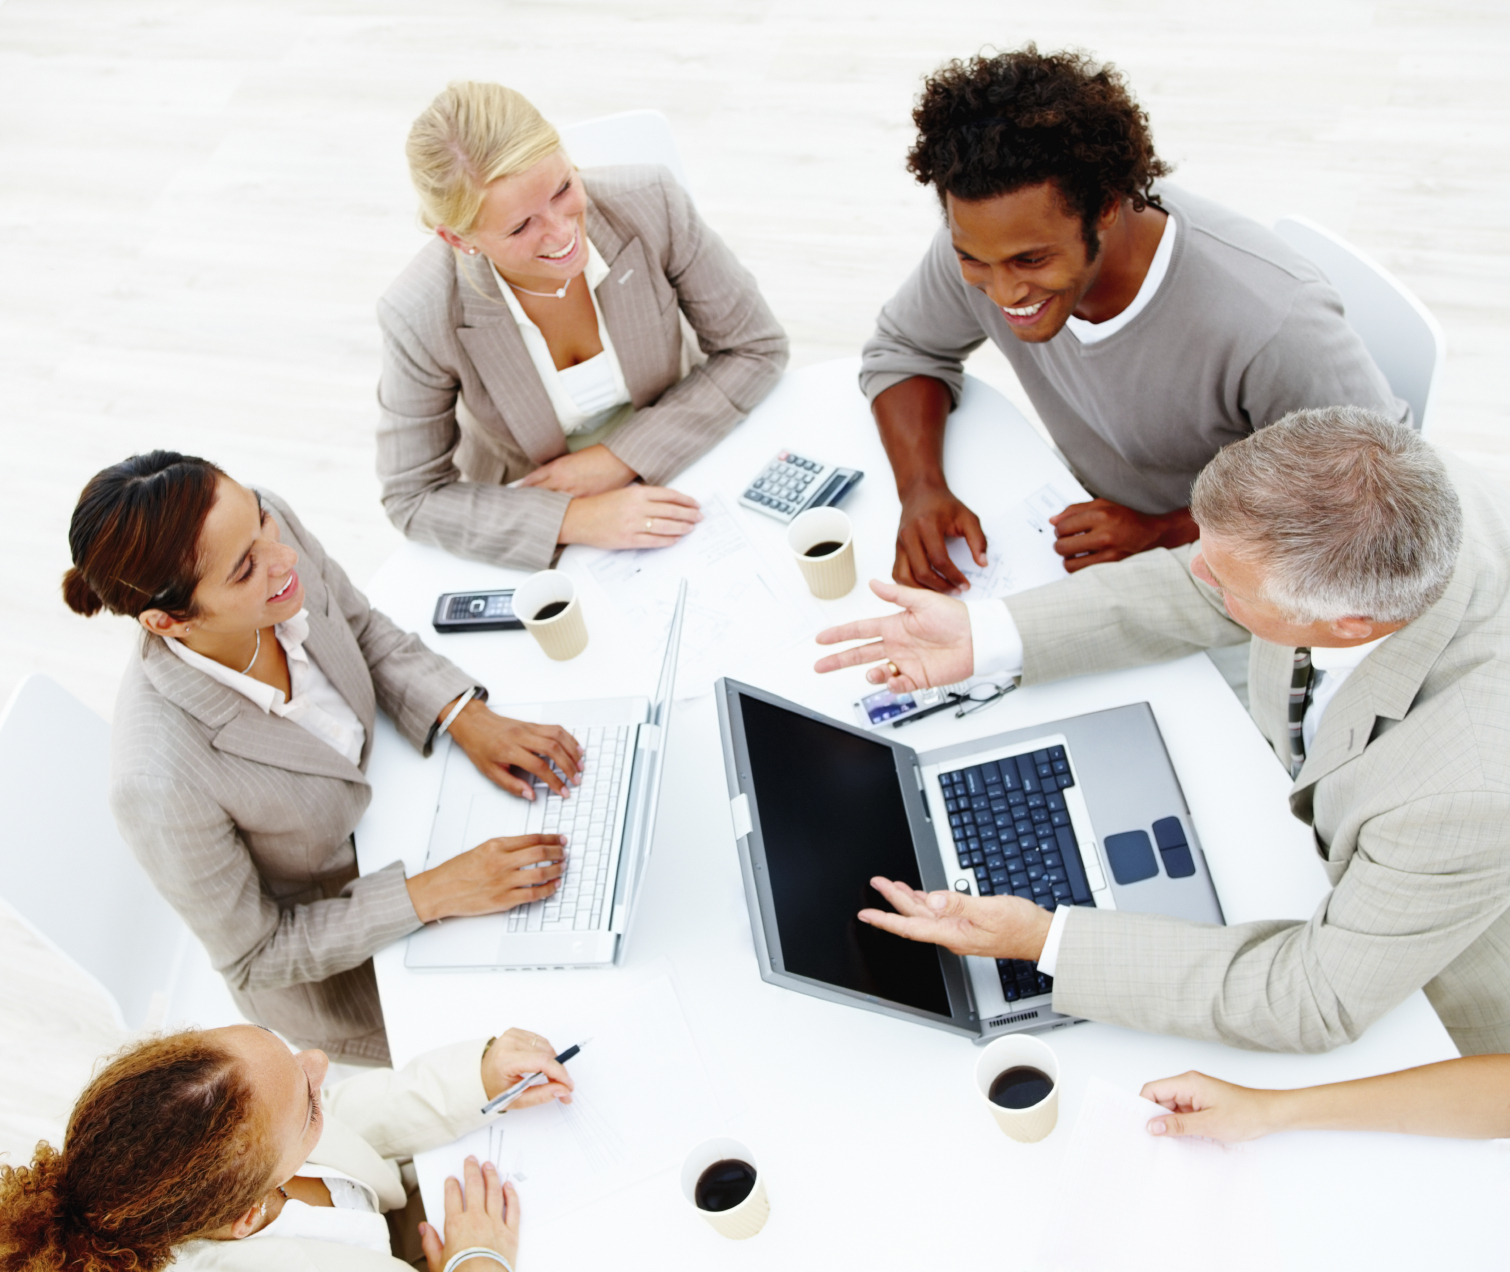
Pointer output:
1242, 330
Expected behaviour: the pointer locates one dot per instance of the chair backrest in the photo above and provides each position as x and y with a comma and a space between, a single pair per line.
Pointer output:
64, 867
1399, 332
633, 136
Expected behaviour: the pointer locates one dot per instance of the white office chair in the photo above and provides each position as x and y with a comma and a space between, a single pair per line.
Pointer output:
633, 136
1399, 332
66, 872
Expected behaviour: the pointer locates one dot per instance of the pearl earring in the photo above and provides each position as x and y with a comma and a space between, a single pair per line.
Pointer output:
471, 251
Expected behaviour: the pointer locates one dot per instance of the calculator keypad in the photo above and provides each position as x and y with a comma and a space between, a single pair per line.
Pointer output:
786, 484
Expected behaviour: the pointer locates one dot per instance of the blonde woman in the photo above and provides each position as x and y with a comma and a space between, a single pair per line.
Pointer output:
535, 390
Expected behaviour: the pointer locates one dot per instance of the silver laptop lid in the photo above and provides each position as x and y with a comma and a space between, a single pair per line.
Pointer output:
645, 785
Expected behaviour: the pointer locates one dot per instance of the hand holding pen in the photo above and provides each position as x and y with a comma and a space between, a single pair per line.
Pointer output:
512, 1066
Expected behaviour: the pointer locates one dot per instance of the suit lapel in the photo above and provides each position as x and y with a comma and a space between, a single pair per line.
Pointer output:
631, 309
239, 726
1384, 686
342, 1148
491, 338
332, 647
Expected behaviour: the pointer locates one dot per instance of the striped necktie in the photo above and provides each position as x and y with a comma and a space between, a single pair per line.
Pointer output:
1301, 681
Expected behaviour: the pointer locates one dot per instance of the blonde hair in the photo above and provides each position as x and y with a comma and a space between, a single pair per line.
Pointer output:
467, 138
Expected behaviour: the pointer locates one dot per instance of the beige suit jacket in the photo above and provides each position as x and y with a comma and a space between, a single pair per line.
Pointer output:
449, 337
370, 1122
1406, 788
243, 819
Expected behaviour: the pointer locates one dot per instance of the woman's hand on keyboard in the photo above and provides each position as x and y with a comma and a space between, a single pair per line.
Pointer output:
516, 1054
928, 642
498, 745
494, 876
988, 927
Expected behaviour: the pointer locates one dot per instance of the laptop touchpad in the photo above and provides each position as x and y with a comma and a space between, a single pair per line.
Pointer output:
493, 815
1130, 855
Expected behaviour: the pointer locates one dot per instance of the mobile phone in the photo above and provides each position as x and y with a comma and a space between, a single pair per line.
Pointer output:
883, 707
476, 612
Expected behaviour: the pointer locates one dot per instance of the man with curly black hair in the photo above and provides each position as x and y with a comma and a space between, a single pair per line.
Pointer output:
1148, 326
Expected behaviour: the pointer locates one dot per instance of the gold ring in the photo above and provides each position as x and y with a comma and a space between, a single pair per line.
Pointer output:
892, 670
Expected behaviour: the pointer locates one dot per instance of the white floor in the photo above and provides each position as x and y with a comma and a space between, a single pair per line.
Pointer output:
201, 201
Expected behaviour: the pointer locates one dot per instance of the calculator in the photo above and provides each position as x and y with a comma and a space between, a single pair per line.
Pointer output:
476, 612
792, 483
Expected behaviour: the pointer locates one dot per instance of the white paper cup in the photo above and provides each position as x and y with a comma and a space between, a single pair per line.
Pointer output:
563, 635
745, 1219
1031, 1124
832, 575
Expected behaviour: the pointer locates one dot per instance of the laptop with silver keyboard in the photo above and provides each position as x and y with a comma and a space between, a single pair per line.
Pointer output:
608, 821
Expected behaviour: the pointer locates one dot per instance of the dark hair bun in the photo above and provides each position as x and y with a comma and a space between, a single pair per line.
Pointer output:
134, 536
78, 595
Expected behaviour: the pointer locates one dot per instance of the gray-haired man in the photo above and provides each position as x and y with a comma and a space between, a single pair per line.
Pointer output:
1334, 533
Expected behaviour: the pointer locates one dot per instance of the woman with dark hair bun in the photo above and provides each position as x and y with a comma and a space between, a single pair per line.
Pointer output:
217, 1149
242, 732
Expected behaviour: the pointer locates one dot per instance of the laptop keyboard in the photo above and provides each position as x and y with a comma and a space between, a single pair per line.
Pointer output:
589, 820
1012, 831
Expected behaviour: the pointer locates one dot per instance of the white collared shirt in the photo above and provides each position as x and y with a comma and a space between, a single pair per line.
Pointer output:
997, 645
1330, 667
352, 1218
1092, 332
316, 706
585, 396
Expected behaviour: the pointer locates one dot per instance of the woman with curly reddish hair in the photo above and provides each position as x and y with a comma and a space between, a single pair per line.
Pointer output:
217, 1149
1150, 327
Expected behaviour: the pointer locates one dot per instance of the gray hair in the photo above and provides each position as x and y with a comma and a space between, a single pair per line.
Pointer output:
1350, 514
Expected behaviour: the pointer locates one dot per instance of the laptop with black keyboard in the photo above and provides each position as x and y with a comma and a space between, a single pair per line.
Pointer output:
1085, 811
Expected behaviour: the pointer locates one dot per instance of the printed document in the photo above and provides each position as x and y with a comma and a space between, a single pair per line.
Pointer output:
728, 582
1019, 545
643, 1100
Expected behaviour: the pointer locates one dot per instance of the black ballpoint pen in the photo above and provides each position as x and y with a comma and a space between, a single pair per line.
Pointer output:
952, 700
504, 1098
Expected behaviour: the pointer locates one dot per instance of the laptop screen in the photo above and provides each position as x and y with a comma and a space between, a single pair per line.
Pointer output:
831, 816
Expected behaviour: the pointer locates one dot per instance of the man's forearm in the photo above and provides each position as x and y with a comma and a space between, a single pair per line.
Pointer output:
911, 417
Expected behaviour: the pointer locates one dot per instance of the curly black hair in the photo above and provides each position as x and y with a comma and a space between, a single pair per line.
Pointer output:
991, 125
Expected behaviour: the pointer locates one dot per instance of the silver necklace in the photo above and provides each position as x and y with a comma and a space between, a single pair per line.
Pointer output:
255, 652
558, 295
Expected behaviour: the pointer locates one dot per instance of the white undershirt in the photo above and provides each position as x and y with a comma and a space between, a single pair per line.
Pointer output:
352, 1218
1092, 332
997, 645
316, 706
585, 396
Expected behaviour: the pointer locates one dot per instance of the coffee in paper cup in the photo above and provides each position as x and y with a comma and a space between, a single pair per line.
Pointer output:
548, 605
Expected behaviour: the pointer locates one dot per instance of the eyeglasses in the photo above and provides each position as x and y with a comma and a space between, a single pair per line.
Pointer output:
982, 696
976, 698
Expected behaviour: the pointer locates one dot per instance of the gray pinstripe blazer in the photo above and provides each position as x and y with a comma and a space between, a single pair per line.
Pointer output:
449, 336
1406, 788
243, 819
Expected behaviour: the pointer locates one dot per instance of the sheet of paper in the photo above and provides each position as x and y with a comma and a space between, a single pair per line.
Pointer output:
1298, 1199
737, 604
1131, 1201
631, 1116
1019, 545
